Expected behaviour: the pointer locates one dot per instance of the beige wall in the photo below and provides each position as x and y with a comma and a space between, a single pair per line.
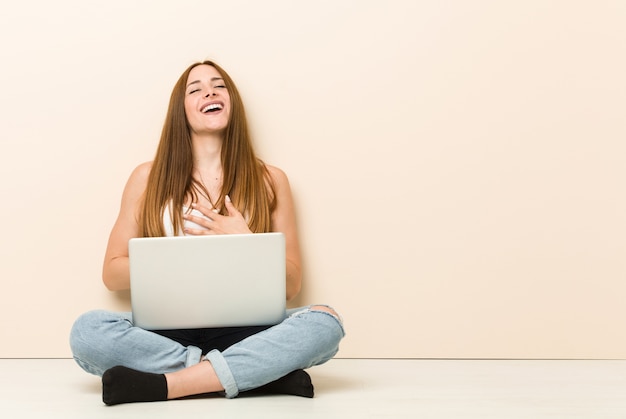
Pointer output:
458, 165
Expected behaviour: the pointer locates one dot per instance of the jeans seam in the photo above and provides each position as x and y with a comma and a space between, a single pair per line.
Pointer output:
338, 320
194, 356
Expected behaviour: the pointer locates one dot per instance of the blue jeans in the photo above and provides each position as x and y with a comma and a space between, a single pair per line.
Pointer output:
102, 339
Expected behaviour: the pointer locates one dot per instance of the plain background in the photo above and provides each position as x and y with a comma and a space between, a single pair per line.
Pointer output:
458, 166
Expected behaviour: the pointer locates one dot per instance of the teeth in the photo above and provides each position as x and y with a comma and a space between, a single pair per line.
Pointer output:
212, 107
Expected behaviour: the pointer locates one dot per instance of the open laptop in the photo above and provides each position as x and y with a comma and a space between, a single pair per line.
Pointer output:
188, 282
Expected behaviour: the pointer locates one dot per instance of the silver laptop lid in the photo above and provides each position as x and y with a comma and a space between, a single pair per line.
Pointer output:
207, 281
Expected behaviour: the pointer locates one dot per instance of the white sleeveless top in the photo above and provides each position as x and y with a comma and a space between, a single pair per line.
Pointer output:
168, 224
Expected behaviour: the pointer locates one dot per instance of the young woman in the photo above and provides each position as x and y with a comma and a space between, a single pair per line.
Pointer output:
205, 179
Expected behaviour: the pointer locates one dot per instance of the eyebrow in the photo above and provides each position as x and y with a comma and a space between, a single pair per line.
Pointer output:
198, 81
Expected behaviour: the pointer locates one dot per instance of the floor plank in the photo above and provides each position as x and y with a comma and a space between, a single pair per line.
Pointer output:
359, 388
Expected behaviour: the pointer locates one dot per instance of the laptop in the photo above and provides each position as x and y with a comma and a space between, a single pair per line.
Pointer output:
188, 282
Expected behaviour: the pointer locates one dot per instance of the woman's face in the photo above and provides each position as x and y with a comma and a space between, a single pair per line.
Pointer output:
207, 102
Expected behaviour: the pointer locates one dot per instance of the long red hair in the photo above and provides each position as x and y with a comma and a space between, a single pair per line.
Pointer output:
171, 183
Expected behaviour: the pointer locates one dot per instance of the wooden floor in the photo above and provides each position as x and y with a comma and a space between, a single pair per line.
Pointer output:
348, 388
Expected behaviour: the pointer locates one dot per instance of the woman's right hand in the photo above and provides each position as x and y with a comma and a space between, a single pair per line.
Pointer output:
212, 222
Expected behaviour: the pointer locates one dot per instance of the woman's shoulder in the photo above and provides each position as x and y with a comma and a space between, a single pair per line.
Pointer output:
277, 175
279, 182
141, 172
278, 179
139, 177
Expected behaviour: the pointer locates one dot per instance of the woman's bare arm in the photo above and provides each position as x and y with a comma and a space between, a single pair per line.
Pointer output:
115, 271
284, 221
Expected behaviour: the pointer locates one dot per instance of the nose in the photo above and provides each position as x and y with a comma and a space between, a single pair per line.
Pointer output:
210, 92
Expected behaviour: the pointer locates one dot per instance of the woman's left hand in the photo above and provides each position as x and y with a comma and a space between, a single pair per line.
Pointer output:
214, 223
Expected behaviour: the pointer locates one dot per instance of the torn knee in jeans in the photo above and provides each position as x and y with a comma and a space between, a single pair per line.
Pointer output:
328, 310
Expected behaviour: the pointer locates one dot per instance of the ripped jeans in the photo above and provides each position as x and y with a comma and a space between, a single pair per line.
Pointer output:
102, 339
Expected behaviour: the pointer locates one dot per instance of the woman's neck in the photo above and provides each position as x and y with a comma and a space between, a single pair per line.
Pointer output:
207, 153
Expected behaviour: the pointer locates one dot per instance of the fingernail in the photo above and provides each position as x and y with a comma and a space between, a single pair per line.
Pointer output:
227, 198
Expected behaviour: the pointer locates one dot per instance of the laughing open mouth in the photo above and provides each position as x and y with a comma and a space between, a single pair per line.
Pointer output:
213, 107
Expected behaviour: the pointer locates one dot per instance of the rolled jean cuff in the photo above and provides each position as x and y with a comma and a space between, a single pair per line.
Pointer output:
223, 373
194, 356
